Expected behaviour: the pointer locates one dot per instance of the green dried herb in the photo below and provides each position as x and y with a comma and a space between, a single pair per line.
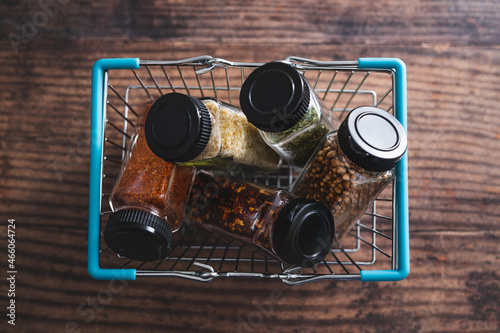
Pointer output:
312, 116
298, 143
303, 146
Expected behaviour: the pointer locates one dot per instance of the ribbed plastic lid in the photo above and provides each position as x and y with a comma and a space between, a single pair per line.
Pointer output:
303, 232
178, 127
372, 138
138, 235
275, 97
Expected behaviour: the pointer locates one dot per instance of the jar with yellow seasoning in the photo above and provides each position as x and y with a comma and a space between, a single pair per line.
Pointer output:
205, 133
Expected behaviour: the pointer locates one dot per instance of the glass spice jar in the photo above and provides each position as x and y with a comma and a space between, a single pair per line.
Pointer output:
147, 201
352, 166
296, 231
206, 133
283, 106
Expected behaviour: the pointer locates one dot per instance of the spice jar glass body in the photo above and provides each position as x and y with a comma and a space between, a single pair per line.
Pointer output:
353, 165
205, 133
233, 138
147, 200
347, 189
293, 230
280, 102
297, 144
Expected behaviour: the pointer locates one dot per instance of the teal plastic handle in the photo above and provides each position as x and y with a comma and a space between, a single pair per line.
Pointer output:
398, 67
96, 146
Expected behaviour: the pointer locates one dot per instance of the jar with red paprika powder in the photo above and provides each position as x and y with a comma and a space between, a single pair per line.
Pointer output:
147, 200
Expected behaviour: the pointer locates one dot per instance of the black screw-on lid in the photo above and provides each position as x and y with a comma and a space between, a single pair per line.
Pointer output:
372, 138
303, 232
178, 127
275, 97
138, 235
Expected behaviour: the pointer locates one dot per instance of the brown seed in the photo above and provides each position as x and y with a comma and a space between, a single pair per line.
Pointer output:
331, 179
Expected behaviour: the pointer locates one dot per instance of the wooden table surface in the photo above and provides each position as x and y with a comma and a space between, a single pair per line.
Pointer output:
452, 53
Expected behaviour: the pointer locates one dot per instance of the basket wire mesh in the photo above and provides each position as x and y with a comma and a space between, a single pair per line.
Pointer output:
202, 256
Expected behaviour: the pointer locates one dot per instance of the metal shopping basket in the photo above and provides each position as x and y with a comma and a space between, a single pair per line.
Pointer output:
376, 249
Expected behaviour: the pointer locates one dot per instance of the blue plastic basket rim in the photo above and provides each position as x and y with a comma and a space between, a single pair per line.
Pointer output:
99, 69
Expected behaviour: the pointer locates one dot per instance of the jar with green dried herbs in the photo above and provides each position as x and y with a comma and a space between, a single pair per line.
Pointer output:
280, 102
205, 133
147, 200
294, 230
351, 167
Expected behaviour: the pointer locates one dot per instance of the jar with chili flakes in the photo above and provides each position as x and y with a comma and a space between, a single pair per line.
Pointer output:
351, 167
293, 230
205, 133
147, 200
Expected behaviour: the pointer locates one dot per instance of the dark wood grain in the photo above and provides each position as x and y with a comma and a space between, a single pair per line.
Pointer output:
298, 22
452, 54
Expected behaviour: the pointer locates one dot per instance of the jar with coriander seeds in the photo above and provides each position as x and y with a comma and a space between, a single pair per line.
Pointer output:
351, 167
205, 133
280, 102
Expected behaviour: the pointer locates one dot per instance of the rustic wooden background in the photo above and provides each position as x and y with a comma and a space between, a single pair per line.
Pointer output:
452, 51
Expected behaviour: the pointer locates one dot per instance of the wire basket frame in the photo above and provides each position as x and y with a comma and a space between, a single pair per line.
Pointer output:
196, 255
